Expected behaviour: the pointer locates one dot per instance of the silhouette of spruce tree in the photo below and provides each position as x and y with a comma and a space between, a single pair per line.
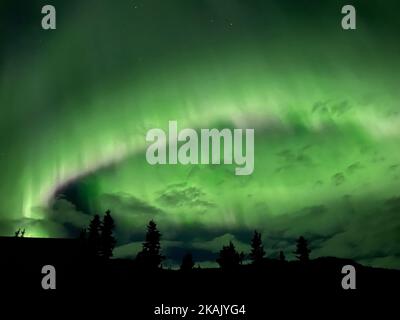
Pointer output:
94, 236
242, 256
302, 251
83, 234
107, 240
150, 257
229, 258
282, 256
187, 262
257, 249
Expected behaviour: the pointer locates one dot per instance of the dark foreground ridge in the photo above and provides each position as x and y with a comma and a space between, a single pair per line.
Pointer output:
80, 278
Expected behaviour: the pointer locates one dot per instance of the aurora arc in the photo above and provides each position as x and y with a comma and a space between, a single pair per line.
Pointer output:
76, 104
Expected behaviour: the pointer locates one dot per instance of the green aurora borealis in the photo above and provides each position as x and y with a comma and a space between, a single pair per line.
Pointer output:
76, 103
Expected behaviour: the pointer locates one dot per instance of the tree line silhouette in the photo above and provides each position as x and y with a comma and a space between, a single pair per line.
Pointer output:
99, 236
100, 240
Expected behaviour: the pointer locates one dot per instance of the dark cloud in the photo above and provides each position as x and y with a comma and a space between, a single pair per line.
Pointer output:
318, 183
283, 168
353, 168
331, 108
80, 193
182, 195
371, 236
291, 158
63, 211
340, 108
394, 167
320, 107
393, 204
338, 179
127, 203
377, 158
319, 209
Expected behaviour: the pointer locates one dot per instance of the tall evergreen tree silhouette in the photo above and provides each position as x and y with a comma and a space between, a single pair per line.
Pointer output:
282, 256
107, 239
229, 258
257, 249
150, 257
187, 262
242, 256
83, 234
94, 236
302, 251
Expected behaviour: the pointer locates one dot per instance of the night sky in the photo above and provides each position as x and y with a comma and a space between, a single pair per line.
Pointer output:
76, 104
